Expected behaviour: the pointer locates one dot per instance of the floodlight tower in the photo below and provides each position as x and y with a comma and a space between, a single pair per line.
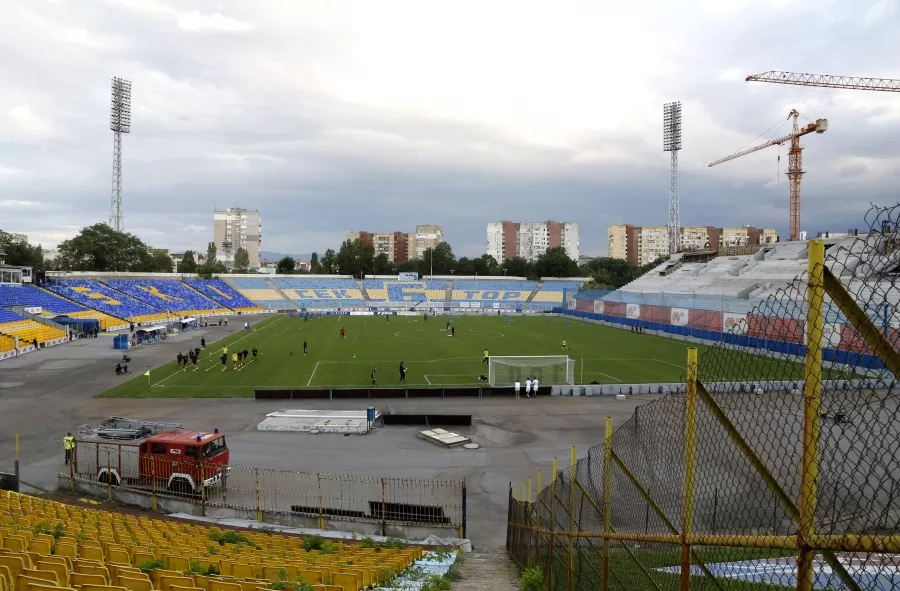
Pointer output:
671, 144
119, 123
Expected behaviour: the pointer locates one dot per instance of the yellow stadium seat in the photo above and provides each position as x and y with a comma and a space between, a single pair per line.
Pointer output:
45, 587
134, 584
46, 575
215, 585
346, 581
22, 582
102, 588
62, 573
15, 565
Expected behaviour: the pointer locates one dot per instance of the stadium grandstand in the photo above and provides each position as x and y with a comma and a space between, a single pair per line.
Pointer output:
27, 331
92, 548
170, 295
394, 291
716, 298
223, 294
91, 293
30, 296
313, 292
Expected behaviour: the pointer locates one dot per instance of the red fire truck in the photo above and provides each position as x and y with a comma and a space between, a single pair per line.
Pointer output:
130, 452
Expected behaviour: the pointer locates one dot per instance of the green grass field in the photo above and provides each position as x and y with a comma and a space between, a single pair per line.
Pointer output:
432, 358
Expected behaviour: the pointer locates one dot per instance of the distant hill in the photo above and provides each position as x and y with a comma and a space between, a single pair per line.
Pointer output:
276, 256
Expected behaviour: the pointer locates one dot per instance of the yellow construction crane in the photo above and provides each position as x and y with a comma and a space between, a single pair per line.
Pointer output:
795, 162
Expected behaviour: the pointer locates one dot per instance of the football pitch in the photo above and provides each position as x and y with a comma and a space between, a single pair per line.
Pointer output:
432, 357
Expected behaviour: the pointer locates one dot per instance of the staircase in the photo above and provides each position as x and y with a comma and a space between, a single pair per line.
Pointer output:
362, 290
86, 307
284, 296
534, 293
448, 297
217, 306
488, 569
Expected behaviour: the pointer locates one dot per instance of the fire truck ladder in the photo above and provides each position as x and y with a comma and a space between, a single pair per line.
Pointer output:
125, 429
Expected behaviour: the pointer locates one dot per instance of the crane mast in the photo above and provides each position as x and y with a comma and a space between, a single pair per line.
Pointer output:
795, 162
826, 81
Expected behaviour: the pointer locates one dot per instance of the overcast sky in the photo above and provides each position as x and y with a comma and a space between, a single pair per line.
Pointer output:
335, 115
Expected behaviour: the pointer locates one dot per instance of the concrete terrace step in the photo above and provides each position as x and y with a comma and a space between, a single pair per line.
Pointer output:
488, 569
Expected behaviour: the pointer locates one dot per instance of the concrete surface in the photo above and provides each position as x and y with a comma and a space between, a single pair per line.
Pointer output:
45, 394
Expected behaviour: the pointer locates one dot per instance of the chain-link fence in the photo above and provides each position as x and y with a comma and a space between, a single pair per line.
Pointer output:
781, 487
438, 504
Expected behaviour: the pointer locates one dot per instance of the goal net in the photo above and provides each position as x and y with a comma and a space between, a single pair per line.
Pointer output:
548, 369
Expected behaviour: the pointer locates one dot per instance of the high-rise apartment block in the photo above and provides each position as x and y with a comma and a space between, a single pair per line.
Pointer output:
235, 228
640, 245
400, 247
529, 240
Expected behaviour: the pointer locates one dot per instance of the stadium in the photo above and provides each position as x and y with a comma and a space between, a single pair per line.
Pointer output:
631, 354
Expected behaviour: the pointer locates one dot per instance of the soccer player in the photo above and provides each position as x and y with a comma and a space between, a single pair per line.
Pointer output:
224, 361
527, 387
342, 333
565, 347
426, 316
486, 357
402, 372
508, 319
304, 347
194, 360
534, 386
255, 352
548, 319
373, 376
246, 354
452, 331
203, 342
180, 358
516, 387
234, 361
448, 324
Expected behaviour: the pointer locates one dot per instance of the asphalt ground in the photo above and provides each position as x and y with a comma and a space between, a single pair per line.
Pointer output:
47, 393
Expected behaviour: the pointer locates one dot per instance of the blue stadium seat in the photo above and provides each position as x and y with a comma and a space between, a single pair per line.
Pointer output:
94, 294
260, 292
166, 294
7, 316
31, 296
222, 293
330, 293
492, 290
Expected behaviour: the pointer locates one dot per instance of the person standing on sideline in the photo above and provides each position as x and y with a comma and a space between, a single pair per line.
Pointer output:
527, 387
69, 444
202, 342
373, 376
534, 386
402, 372
516, 387
304, 347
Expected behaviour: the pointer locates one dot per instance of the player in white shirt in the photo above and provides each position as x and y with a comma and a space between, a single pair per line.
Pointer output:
517, 387
534, 386
527, 387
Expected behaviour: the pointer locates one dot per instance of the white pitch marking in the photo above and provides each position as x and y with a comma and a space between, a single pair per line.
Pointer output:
312, 374
427, 380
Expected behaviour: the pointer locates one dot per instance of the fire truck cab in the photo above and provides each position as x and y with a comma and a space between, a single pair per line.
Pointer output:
130, 452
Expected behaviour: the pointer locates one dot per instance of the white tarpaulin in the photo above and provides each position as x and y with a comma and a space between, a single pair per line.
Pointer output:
679, 317
633, 311
734, 323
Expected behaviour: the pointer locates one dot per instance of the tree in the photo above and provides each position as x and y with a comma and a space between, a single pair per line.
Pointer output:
188, 264
438, 260
285, 266
556, 263
160, 262
382, 266
486, 265
21, 254
241, 260
409, 266
329, 265
517, 267
314, 266
210, 253
465, 266
355, 257
101, 248
610, 273
208, 270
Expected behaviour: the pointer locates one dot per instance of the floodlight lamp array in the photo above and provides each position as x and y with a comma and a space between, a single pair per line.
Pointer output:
671, 126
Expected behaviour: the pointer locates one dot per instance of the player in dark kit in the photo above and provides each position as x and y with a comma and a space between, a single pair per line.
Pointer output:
180, 359
224, 361
246, 354
304, 347
255, 352
373, 376
342, 332
402, 372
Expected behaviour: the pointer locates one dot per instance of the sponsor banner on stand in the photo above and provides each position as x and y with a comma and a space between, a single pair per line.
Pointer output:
633, 311
407, 277
34, 310
679, 316
362, 313
598, 306
734, 323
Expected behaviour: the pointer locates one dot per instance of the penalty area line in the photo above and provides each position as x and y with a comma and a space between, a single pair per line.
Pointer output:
427, 380
312, 374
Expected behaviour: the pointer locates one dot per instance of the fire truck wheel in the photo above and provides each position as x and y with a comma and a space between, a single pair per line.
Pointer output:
180, 486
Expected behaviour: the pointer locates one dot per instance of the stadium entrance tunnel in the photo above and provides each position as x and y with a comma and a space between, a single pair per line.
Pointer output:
426, 420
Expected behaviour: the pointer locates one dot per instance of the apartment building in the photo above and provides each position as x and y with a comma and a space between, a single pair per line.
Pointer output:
235, 228
400, 247
529, 240
640, 245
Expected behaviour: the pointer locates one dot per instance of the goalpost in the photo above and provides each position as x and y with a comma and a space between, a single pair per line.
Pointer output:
550, 370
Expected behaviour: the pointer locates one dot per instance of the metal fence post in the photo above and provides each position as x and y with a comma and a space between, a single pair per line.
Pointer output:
258, 506
108, 477
690, 433
607, 498
321, 520
383, 519
528, 515
462, 533
812, 399
571, 569
537, 527
552, 548
153, 501
18, 486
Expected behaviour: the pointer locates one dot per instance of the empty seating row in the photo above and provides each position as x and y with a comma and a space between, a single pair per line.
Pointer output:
223, 294
321, 292
94, 294
492, 290
170, 295
260, 292
32, 296
29, 331
54, 546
